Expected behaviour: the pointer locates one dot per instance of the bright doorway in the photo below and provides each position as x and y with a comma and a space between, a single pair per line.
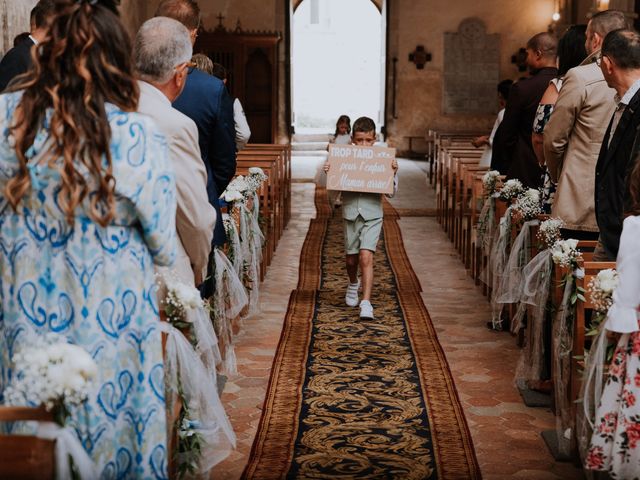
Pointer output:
338, 63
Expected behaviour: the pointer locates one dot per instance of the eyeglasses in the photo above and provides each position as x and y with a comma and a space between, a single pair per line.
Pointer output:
188, 64
599, 59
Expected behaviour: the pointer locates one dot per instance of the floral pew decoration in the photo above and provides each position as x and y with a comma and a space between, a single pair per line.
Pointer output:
565, 255
500, 247
486, 219
525, 211
598, 358
204, 434
242, 193
55, 374
536, 286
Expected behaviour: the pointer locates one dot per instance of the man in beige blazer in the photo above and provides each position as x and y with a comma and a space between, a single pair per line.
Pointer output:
162, 53
573, 136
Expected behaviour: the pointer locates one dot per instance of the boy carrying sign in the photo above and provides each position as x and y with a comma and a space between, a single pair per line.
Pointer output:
362, 215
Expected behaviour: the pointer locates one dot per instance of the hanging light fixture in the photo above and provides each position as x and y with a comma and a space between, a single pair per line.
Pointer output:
556, 11
603, 5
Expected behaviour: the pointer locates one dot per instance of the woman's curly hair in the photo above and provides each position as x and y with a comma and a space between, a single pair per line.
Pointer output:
84, 62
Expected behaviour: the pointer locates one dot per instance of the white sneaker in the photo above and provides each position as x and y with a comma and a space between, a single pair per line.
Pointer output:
351, 297
366, 310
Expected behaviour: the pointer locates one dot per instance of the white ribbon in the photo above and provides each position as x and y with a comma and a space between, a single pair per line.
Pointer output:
236, 247
230, 298
185, 369
252, 239
511, 283
486, 221
497, 263
563, 345
206, 340
67, 446
536, 282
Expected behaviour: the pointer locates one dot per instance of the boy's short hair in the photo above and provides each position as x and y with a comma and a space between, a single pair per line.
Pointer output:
363, 124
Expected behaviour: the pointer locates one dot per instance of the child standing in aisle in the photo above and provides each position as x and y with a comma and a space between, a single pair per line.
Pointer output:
362, 214
342, 136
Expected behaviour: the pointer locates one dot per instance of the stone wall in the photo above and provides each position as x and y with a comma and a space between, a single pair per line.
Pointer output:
420, 92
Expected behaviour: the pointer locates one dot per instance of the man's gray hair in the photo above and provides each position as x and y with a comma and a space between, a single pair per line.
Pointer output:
161, 45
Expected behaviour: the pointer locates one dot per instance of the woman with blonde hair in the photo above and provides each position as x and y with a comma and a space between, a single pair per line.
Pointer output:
87, 206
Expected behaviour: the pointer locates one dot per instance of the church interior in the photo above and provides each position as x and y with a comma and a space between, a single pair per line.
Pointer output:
439, 384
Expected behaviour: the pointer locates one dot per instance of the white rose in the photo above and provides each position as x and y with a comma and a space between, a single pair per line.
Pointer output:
55, 352
607, 286
232, 196
84, 364
569, 245
256, 171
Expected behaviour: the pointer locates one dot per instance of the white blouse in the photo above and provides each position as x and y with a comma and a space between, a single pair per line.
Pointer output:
624, 315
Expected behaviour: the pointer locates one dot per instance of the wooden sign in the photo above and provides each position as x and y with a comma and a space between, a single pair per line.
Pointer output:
360, 169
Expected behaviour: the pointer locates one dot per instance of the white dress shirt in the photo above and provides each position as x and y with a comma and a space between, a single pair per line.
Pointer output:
485, 160
243, 132
623, 315
621, 105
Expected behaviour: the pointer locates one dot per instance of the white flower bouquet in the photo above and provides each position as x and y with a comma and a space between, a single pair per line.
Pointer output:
231, 196
549, 231
511, 189
52, 373
601, 289
565, 252
179, 299
239, 184
527, 205
489, 181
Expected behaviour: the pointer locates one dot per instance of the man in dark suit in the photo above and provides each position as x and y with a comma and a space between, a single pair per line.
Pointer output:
620, 64
18, 60
207, 102
513, 153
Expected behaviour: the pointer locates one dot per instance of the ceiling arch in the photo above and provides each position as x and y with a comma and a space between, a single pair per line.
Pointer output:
377, 3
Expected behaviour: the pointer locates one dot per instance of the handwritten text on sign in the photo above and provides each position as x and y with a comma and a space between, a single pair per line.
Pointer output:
360, 169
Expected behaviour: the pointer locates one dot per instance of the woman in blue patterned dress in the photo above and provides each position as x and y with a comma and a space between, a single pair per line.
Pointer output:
87, 207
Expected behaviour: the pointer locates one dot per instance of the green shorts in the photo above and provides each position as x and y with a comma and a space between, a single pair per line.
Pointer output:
361, 234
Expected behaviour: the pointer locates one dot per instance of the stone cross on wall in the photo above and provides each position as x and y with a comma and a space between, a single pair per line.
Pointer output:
471, 69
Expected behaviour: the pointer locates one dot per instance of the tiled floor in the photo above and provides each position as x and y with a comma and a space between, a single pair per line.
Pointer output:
504, 431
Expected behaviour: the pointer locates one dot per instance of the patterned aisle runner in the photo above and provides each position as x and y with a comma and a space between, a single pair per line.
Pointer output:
359, 399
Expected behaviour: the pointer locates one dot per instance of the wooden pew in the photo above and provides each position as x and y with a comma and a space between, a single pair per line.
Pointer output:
467, 210
442, 140
286, 152
591, 270
447, 180
461, 164
271, 203
276, 163
26, 457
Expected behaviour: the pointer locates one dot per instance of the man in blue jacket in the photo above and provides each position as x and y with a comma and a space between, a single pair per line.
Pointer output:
18, 60
207, 102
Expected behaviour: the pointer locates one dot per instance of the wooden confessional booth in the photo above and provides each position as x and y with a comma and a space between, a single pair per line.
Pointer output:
251, 60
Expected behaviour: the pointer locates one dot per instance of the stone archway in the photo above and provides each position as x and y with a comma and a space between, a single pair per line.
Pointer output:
377, 3
344, 45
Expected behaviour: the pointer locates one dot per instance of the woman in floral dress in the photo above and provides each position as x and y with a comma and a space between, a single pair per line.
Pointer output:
615, 443
87, 207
